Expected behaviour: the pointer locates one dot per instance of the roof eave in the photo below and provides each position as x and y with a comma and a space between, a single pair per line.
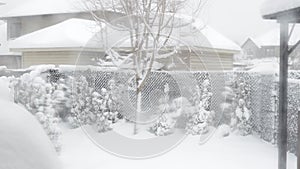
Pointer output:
291, 15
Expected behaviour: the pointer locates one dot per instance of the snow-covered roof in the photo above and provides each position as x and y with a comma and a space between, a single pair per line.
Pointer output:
272, 38
79, 33
219, 41
276, 6
72, 33
42, 7
253, 40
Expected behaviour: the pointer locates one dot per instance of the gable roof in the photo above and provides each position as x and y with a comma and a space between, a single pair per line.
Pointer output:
79, 33
72, 33
252, 40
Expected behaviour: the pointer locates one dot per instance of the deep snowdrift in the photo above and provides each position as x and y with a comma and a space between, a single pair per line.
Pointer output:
23, 143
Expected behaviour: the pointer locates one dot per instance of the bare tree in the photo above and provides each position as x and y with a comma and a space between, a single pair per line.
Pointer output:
150, 24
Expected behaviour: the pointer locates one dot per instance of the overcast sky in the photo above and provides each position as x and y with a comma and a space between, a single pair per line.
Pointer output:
236, 19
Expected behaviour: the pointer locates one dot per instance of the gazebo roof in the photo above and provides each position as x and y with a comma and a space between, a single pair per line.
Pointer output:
288, 10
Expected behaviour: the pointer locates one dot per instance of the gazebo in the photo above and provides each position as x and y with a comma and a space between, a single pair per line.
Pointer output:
286, 12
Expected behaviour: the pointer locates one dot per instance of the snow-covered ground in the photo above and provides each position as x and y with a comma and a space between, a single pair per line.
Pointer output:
232, 152
79, 152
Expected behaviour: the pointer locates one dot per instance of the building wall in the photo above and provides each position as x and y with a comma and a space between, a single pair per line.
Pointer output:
213, 60
251, 50
185, 61
57, 58
10, 61
269, 51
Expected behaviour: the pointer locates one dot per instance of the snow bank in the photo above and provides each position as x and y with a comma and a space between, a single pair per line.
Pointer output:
4, 92
23, 143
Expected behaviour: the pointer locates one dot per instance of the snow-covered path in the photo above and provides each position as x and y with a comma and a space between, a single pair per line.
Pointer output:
233, 152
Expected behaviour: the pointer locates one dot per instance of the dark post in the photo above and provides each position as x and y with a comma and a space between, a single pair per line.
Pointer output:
298, 141
282, 128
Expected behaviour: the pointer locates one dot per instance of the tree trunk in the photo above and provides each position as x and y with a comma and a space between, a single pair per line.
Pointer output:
138, 110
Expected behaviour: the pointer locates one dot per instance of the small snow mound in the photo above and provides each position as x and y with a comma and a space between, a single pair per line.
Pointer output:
23, 143
222, 131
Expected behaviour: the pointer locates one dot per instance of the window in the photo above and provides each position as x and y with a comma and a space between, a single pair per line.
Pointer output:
270, 52
249, 52
14, 30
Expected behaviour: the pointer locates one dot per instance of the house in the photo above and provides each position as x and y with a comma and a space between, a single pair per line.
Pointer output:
11, 60
33, 15
267, 45
57, 32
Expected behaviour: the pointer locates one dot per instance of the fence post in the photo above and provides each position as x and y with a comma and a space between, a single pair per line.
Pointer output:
298, 141
282, 109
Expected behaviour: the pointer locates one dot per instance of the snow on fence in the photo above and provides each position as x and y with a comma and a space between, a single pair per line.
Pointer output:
234, 95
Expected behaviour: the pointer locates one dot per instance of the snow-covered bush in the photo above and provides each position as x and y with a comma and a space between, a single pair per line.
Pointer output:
171, 112
81, 103
241, 116
293, 109
202, 116
107, 113
162, 126
50, 125
36, 95
92, 107
61, 96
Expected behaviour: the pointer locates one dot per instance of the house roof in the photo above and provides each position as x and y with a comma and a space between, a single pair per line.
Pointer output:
253, 41
272, 38
42, 7
274, 9
72, 33
79, 33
